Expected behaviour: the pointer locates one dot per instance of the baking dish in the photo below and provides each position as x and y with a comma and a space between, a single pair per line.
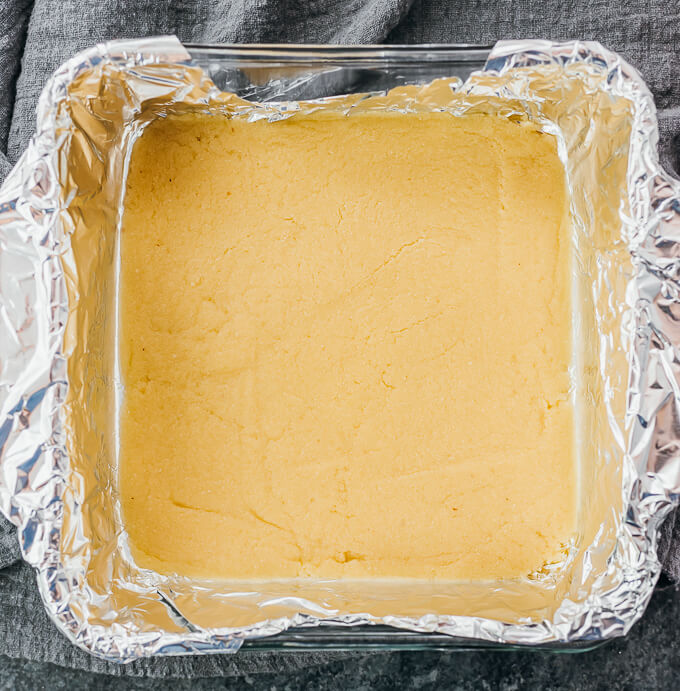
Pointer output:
59, 215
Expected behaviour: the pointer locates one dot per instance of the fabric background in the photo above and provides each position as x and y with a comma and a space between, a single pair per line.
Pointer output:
36, 37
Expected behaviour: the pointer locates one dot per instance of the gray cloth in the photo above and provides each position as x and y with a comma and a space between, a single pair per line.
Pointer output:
37, 37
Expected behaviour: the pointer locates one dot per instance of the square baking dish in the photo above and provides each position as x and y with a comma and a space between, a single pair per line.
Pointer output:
60, 213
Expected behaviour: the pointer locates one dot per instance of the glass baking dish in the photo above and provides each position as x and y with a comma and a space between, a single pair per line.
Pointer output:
63, 496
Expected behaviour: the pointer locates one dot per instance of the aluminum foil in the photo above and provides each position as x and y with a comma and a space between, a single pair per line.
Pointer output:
60, 209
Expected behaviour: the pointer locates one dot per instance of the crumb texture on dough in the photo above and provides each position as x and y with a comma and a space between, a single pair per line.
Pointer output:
345, 348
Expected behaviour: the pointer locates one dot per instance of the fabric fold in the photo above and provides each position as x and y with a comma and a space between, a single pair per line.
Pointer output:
9, 546
14, 18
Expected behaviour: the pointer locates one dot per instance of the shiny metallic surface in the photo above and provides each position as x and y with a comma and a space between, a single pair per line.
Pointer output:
60, 211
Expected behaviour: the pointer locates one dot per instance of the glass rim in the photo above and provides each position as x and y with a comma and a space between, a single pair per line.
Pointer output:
347, 54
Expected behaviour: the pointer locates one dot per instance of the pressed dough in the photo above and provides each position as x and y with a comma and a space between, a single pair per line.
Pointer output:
345, 347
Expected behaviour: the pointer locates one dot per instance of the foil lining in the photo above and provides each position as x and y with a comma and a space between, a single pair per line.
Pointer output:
59, 212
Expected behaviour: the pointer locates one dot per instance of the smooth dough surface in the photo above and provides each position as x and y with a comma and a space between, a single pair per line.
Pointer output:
345, 348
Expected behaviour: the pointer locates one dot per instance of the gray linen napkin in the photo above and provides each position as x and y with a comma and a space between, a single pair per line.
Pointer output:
36, 37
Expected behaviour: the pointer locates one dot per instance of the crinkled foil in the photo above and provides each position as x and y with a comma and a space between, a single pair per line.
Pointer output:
60, 210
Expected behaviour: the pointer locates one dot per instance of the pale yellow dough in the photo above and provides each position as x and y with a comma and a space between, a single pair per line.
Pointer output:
345, 348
